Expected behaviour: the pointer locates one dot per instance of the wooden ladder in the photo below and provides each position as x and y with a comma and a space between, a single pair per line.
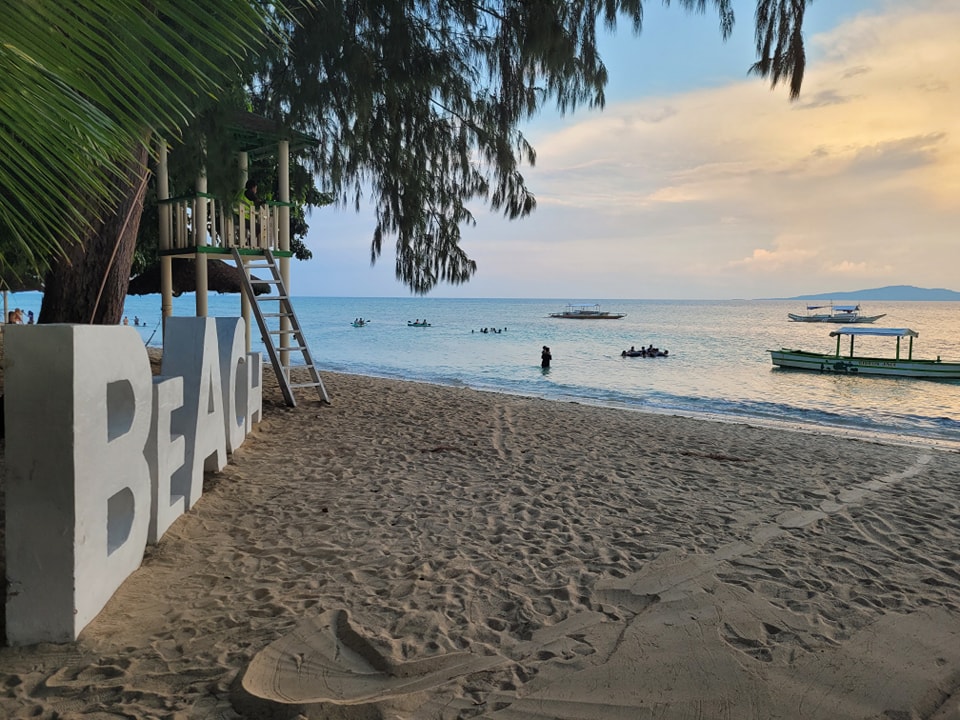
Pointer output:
290, 328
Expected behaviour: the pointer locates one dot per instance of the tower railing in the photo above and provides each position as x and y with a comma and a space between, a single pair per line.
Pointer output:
201, 220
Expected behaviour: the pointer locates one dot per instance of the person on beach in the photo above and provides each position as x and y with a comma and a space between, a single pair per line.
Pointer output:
29, 317
545, 357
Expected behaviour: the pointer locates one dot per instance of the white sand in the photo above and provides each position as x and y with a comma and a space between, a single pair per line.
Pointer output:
414, 551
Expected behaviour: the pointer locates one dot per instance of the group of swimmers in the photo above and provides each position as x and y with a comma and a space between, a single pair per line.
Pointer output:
649, 351
489, 330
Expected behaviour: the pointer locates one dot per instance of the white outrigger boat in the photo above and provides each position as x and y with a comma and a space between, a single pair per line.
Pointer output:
835, 314
854, 365
586, 312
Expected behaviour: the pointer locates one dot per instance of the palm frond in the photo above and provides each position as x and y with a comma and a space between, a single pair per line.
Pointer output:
82, 82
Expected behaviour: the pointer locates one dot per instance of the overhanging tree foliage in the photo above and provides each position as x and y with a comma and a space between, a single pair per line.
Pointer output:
779, 34
421, 103
416, 100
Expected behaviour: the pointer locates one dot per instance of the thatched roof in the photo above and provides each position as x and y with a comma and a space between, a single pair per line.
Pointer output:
19, 283
222, 277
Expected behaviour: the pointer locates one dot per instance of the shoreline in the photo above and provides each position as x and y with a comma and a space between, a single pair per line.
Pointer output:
519, 557
885, 438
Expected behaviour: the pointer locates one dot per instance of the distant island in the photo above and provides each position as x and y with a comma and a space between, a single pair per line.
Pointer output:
891, 292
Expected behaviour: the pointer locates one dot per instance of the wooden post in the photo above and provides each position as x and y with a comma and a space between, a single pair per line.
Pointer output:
199, 238
166, 240
244, 161
283, 177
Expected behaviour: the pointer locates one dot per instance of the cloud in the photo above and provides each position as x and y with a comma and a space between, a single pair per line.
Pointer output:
786, 196
862, 269
854, 71
898, 156
823, 99
781, 257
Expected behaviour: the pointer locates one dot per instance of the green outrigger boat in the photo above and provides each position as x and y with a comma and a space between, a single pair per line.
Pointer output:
852, 364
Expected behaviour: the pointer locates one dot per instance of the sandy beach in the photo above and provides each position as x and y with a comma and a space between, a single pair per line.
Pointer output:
416, 551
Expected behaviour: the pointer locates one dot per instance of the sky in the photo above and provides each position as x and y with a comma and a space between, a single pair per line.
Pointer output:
697, 181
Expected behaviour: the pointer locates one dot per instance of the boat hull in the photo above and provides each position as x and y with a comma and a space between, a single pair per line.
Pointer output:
840, 319
819, 362
588, 316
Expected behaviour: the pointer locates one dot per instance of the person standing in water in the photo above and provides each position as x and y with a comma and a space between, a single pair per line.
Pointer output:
545, 357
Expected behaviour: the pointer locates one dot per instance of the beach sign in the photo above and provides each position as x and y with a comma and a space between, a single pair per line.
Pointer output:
102, 456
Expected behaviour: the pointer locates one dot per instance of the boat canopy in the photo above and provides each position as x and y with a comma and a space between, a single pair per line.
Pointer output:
837, 308
888, 332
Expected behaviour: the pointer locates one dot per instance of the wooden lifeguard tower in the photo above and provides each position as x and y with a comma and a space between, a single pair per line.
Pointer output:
199, 226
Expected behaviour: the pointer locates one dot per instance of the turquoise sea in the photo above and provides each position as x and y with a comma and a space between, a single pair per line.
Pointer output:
718, 366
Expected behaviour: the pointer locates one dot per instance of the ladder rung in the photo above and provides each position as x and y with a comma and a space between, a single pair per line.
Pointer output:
303, 385
276, 315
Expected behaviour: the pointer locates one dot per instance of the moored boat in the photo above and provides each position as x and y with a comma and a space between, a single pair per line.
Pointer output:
586, 312
852, 364
835, 314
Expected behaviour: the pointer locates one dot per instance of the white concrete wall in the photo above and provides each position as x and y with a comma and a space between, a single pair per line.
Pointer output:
102, 457
190, 351
165, 453
77, 410
232, 339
